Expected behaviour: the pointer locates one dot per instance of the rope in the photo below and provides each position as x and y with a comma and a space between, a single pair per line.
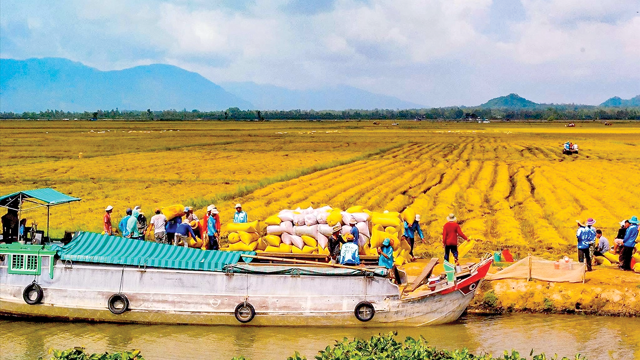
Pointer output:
121, 280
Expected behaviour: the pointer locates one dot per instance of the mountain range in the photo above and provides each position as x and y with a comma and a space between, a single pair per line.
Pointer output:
514, 101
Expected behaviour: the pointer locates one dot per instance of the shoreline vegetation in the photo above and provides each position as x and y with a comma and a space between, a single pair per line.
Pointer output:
380, 347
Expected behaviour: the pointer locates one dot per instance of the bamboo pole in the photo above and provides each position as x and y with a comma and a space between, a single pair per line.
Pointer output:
307, 262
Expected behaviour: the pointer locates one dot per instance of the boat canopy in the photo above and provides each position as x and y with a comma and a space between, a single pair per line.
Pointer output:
105, 249
48, 196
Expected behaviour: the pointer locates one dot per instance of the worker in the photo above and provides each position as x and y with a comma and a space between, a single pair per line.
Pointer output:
159, 222
354, 230
603, 244
335, 240
217, 217
108, 230
212, 232
142, 223
123, 223
240, 216
183, 232
410, 233
629, 241
171, 228
450, 233
349, 254
132, 225
21, 228
189, 214
618, 242
586, 235
10, 226
386, 254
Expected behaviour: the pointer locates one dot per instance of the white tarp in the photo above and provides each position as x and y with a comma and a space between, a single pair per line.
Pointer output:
540, 269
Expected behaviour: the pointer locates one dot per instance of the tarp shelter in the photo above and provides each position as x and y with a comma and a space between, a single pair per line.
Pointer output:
533, 267
106, 249
35, 198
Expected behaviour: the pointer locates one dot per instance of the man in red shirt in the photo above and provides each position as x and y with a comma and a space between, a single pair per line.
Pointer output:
450, 234
108, 230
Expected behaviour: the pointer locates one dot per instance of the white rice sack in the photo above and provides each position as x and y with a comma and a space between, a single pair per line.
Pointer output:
275, 230
363, 240
363, 228
287, 226
306, 230
325, 208
308, 210
321, 217
346, 229
325, 230
296, 241
361, 217
298, 220
346, 217
286, 215
323, 241
286, 238
310, 219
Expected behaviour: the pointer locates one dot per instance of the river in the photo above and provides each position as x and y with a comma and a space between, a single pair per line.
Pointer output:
565, 335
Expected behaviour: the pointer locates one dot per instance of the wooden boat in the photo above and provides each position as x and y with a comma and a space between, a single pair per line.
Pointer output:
112, 279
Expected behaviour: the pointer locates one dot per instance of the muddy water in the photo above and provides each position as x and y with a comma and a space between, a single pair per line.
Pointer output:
565, 335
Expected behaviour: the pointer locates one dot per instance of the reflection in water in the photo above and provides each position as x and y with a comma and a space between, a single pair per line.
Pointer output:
565, 335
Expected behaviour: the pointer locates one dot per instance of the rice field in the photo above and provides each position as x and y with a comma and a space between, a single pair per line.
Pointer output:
509, 184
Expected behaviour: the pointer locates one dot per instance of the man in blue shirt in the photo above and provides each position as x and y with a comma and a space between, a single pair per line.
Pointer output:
629, 242
354, 230
171, 228
123, 224
182, 233
349, 254
386, 254
410, 232
586, 236
212, 232
240, 216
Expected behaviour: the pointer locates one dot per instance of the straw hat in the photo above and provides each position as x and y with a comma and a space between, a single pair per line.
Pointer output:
451, 217
352, 221
337, 228
210, 207
194, 224
417, 217
109, 208
590, 222
214, 211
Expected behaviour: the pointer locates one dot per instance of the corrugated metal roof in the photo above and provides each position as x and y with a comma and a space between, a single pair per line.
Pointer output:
104, 249
46, 195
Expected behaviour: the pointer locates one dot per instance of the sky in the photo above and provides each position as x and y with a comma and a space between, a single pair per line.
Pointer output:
430, 52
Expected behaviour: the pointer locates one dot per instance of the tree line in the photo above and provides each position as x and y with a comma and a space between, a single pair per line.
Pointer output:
560, 112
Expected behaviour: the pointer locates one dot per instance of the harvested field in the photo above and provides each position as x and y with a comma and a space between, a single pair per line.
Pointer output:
509, 184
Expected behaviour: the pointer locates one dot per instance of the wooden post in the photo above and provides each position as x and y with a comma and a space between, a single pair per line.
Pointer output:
48, 215
530, 266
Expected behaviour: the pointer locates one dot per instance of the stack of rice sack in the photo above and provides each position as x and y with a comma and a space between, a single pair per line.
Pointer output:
300, 231
244, 236
389, 225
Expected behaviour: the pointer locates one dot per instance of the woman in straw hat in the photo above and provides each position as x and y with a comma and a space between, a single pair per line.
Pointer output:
450, 233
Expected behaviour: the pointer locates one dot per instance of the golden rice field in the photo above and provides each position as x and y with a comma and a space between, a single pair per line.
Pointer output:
509, 184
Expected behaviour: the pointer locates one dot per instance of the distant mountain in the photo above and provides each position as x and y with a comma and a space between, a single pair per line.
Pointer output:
511, 101
61, 84
269, 97
618, 102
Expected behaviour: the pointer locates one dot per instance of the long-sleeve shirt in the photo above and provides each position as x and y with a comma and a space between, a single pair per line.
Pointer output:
184, 229
349, 254
211, 226
386, 261
631, 236
240, 217
410, 230
132, 226
123, 225
172, 225
450, 233
218, 224
586, 236
107, 224
603, 245
356, 234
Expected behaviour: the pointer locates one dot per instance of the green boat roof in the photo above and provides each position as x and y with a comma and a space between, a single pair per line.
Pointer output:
48, 196
105, 249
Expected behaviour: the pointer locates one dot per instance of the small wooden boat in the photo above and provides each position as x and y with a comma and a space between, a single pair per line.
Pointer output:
112, 279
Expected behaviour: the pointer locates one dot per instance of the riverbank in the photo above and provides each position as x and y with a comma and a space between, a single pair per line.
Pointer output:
606, 291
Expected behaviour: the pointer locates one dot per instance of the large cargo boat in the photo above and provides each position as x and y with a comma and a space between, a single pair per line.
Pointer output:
113, 279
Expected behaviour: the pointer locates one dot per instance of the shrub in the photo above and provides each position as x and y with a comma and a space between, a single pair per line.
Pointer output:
78, 353
490, 300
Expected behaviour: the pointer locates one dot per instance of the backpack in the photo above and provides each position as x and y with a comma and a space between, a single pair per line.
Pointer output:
142, 223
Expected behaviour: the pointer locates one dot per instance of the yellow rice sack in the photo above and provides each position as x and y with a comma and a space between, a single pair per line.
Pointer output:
272, 249
173, 211
285, 248
233, 238
262, 245
409, 215
240, 246
405, 245
247, 238
636, 268
272, 240
246, 227
323, 251
601, 260
308, 240
386, 221
466, 247
355, 209
612, 257
636, 256
398, 261
305, 250
273, 220
335, 217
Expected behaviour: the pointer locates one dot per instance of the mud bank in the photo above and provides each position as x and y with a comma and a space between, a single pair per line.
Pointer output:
606, 291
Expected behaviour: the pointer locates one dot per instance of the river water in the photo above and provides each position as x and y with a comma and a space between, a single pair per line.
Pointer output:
565, 335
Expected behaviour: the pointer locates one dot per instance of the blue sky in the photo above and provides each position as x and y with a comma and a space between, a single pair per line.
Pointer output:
431, 52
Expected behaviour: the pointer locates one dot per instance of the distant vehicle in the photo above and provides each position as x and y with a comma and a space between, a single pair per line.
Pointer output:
569, 148
607, 123
395, 124
571, 125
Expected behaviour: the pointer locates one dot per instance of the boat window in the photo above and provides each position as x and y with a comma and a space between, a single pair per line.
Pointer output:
24, 264
17, 262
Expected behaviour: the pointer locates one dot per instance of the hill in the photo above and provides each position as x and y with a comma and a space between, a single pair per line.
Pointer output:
269, 97
511, 101
54, 83
618, 102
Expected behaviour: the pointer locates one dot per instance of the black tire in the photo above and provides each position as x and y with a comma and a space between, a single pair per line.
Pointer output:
33, 294
244, 312
118, 303
364, 311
